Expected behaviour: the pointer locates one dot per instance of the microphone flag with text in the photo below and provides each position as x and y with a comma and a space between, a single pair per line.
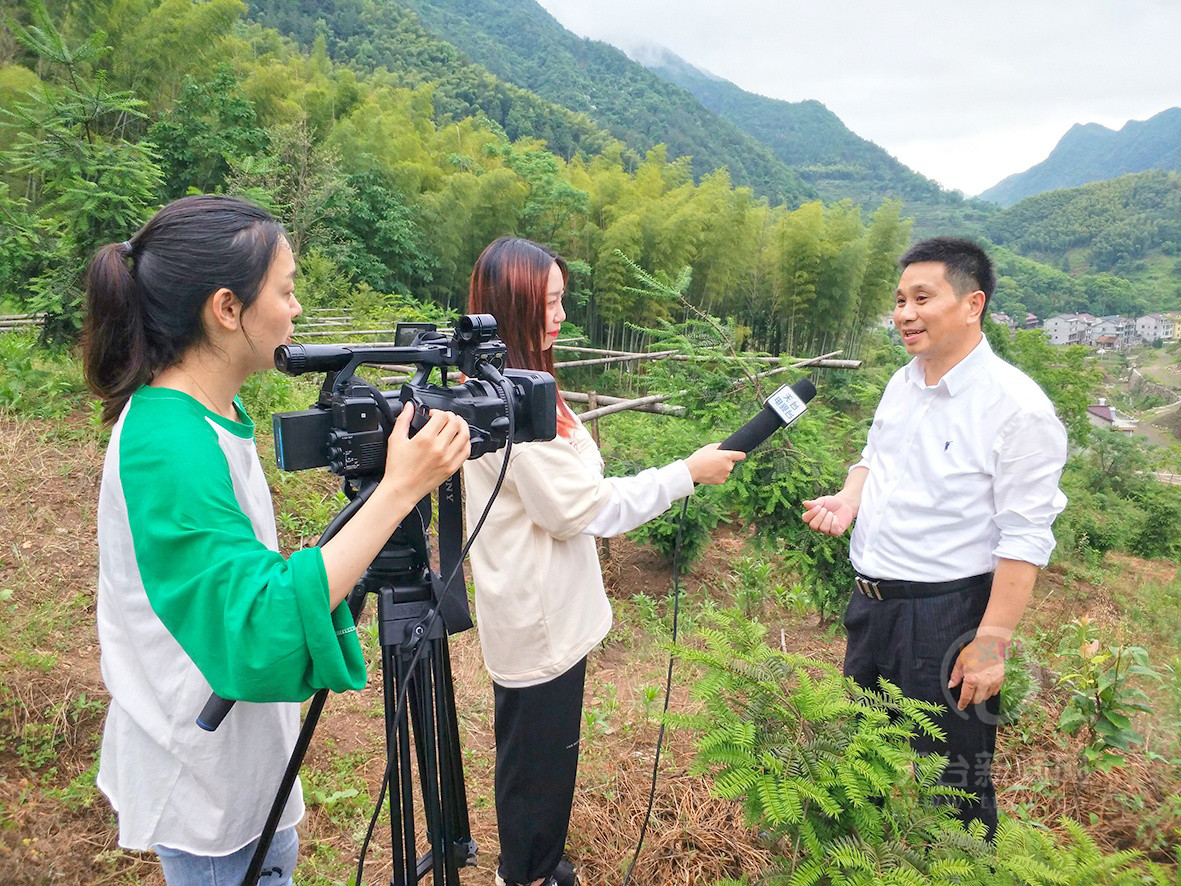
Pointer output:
781, 409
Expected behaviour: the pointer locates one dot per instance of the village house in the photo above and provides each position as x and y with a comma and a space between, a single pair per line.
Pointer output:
1151, 327
1100, 415
1068, 329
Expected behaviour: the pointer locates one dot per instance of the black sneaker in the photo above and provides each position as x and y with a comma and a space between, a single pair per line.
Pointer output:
563, 875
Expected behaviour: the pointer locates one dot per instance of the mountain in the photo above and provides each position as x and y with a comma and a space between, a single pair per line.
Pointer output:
824, 152
521, 43
1091, 152
512, 62
805, 135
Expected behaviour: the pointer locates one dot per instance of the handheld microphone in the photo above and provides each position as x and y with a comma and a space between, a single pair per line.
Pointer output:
781, 409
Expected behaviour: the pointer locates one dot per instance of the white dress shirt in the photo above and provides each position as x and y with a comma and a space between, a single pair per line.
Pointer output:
961, 473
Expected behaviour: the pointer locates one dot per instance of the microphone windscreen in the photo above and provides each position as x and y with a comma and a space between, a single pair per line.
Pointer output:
782, 408
754, 432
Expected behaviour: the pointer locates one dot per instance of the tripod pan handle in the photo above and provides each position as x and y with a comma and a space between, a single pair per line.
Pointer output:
214, 712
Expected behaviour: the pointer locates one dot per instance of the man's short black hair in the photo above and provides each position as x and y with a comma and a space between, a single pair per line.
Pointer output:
968, 266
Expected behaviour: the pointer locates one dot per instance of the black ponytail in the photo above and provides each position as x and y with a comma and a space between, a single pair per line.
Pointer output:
144, 297
116, 354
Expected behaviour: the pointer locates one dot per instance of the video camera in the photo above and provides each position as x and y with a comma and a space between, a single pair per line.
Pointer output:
346, 430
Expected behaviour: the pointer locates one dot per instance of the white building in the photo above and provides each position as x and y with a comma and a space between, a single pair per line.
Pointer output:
1068, 329
1150, 327
1104, 329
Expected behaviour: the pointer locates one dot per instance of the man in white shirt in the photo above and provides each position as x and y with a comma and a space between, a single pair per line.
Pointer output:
954, 499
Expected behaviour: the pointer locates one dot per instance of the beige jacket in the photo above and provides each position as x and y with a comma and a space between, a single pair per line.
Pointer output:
540, 603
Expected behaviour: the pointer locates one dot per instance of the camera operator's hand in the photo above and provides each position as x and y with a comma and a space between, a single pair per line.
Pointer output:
414, 467
437, 450
712, 465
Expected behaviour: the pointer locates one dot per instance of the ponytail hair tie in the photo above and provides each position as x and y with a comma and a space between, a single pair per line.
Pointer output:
127, 246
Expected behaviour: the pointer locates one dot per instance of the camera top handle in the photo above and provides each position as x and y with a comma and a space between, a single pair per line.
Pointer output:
473, 343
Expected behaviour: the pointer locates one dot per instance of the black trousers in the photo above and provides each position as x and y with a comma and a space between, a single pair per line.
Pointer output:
914, 643
537, 730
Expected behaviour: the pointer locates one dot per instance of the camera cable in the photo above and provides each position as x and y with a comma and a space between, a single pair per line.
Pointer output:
668, 688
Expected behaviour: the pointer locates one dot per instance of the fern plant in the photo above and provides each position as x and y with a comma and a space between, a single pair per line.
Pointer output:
825, 769
1027, 854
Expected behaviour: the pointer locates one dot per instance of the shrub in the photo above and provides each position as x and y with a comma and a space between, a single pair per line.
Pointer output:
825, 770
1102, 697
37, 382
824, 766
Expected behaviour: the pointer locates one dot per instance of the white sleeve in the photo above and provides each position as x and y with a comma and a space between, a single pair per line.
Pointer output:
636, 500
1031, 451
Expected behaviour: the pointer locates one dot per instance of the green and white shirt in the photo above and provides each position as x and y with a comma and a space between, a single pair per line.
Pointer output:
194, 597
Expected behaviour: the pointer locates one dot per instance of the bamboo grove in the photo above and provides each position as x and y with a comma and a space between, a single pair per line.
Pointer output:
110, 109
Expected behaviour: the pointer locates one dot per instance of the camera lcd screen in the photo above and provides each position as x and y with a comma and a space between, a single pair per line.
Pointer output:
405, 333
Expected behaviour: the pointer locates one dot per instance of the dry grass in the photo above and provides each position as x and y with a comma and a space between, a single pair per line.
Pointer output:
55, 828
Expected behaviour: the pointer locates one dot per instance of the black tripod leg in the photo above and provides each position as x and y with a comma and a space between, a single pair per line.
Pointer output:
426, 746
461, 849
401, 798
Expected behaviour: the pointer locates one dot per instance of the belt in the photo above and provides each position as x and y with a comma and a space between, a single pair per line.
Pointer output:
899, 589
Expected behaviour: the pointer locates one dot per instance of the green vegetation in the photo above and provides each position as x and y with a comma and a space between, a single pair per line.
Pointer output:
393, 161
1108, 247
380, 199
1102, 699
823, 768
537, 80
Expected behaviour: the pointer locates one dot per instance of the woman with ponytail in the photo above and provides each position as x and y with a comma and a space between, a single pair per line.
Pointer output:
540, 603
193, 595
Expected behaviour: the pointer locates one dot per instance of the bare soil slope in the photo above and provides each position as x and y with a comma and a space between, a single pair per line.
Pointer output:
55, 827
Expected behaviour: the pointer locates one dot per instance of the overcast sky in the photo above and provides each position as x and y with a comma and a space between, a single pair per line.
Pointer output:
964, 92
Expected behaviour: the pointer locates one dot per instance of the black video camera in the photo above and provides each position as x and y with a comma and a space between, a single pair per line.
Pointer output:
346, 430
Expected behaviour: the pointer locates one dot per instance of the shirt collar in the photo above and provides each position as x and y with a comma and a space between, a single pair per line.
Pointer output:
958, 377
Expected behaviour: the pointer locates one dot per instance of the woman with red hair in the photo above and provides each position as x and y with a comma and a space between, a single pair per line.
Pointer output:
540, 603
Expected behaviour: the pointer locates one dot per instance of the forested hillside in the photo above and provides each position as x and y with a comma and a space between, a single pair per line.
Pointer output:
112, 113
1091, 152
395, 166
1105, 226
515, 45
388, 35
1116, 245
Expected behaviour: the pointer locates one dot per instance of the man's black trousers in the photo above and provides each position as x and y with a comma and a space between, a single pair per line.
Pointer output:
537, 731
913, 643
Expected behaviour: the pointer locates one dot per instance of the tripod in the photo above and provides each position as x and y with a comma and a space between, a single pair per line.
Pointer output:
407, 598
415, 614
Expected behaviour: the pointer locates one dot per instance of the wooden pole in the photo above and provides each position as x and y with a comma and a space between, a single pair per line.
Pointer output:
623, 405
593, 403
592, 400
619, 358
658, 408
